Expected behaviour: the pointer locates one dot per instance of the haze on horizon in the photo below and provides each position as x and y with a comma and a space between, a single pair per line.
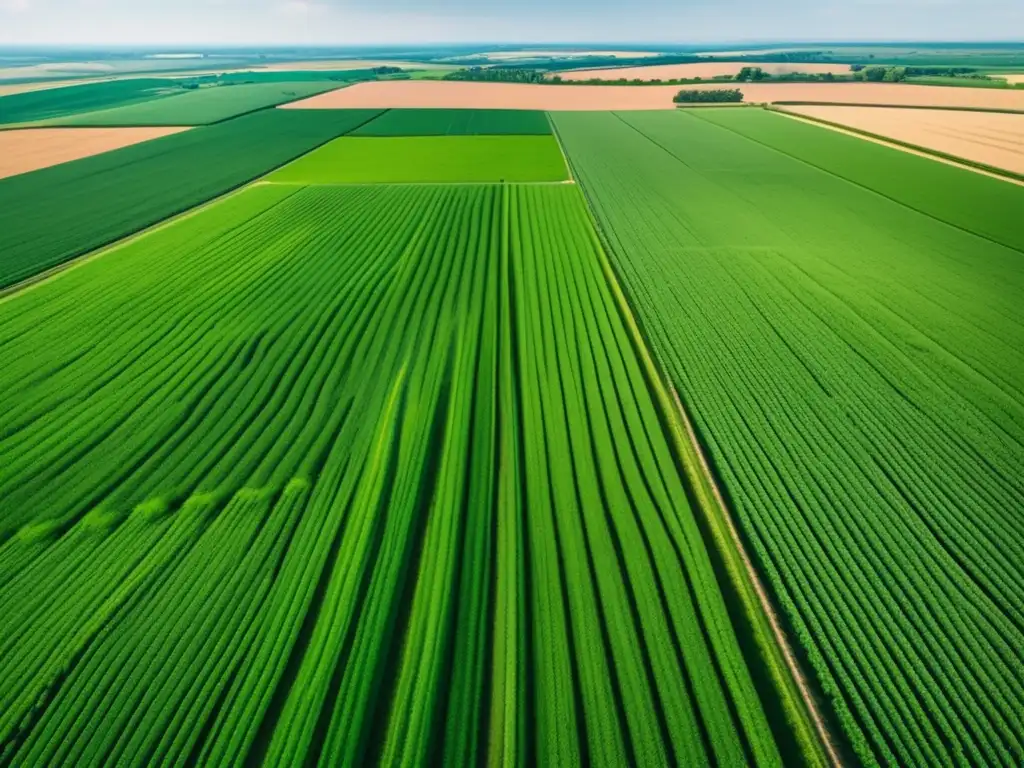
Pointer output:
370, 22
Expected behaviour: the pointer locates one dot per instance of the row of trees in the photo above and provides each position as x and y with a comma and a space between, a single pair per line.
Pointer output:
496, 75
715, 96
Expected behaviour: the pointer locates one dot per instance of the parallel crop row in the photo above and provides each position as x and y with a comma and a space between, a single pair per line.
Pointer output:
855, 369
50, 216
343, 475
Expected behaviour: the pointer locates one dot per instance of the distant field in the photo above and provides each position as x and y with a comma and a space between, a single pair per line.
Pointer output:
854, 367
993, 139
380, 464
361, 160
202, 106
689, 71
35, 148
467, 95
60, 102
557, 98
456, 122
55, 214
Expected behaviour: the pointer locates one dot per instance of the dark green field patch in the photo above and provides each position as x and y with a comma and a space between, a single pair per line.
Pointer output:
52, 215
202, 106
73, 99
457, 122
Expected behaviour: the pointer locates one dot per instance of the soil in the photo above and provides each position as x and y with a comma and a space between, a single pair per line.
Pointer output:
990, 138
27, 150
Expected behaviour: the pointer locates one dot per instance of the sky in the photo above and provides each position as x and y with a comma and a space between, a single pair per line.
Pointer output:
369, 22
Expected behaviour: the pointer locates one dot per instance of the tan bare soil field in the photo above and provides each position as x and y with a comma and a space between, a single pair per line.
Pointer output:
34, 148
423, 93
463, 95
983, 137
704, 70
1014, 79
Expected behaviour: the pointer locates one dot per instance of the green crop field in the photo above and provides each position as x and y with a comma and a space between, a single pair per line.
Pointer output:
362, 160
974, 202
457, 122
203, 106
61, 102
355, 474
852, 354
50, 216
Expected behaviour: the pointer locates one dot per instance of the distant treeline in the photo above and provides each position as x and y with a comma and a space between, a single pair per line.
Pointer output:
715, 96
497, 75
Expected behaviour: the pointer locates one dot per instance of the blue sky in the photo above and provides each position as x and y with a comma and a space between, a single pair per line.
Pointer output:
413, 21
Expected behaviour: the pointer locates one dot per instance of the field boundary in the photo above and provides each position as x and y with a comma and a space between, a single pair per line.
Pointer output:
115, 245
873, 191
955, 160
944, 108
796, 699
77, 261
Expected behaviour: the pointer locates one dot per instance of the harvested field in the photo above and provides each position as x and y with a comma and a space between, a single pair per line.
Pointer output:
990, 138
461, 95
704, 70
30, 150
888, 94
1015, 79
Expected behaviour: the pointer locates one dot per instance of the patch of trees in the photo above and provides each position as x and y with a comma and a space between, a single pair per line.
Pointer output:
878, 74
496, 75
387, 70
713, 96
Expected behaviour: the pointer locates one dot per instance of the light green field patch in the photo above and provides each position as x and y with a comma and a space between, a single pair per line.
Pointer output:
359, 160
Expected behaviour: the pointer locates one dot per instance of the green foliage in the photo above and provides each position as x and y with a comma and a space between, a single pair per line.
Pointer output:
456, 122
204, 106
751, 74
405, 496
709, 96
850, 364
363, 160
52, 215
497, 75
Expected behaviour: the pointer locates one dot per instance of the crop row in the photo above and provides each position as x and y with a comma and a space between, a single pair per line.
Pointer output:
854, 369
52, 215
353, 474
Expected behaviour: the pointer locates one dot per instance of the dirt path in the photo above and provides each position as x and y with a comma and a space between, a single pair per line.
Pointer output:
766, 604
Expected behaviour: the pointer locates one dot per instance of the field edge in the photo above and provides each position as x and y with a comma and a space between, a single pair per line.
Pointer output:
802, 733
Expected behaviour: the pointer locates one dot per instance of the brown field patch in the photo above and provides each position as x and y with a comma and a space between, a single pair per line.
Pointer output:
1014, 79
990, 138
705, 70
34, 148
463, 95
